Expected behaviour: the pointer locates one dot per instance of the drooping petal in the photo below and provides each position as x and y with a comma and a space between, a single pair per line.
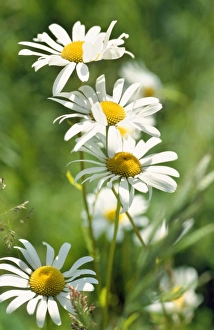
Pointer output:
159, 181
62, 78
54, 311
41, 312
138, 185
82, 71
15, 293
20, 300
124, 194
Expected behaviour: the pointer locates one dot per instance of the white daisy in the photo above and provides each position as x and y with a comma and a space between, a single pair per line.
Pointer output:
152, 234
124, 160
150, 83
178, 297
103, 209
76, 52
97, 110
42, 286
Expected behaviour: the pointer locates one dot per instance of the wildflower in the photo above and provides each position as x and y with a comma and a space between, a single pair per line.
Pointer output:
103, 208
76, 52
178, 297
124, 160
97, 110
150, 83
42, 286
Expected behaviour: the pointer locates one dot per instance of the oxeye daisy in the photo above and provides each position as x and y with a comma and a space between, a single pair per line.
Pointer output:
97, 110
150, 83
178, 297
125, 161
74, 52
42, 286
103, 210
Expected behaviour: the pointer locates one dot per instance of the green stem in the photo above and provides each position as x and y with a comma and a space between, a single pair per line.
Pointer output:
91, 233
48, 322
133, 224
110, 265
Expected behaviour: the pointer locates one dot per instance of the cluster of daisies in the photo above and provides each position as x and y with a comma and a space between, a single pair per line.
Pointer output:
107, 127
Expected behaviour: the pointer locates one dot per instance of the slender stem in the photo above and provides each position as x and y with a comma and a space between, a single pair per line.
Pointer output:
110, 265
91, 233
133, 224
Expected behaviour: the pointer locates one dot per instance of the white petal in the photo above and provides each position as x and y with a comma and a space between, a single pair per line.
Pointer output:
14, 293
159, 181
142, 148
114, 141
101, 88
108, 33
128, 93
64, 300
60, 34
49, 254
62, 78
41, 312
30, 254
89, 93
76, 265
31, 305
138, 185
78, 273
13, 280
20, 300
29, 52
19, 263
54, 311
92, 33
84, 284
78, 32
162, 170
83, 126
56, 60
87, 136
40, 63
14, 270
124, 194
117, 90
40, 46
82, 71
147, 129
145, 101
89, 171
60, 259
161, 157
98, 114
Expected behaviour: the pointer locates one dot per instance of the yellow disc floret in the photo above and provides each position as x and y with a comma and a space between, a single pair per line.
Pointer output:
73, 52
113, 111
110, 215
124, 164
47, 281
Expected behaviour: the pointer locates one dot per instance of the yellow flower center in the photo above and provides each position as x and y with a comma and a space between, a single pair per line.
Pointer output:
178, 297
124, 164
47, 281
73, 52
148, 91
110, 215
113, 111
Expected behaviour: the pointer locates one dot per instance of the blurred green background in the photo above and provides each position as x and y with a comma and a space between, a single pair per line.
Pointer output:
175, 40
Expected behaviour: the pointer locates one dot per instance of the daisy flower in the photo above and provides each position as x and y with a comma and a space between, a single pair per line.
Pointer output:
41, 287
97, 110
150, 83
124, 160
178, 297
103, 209
76, 52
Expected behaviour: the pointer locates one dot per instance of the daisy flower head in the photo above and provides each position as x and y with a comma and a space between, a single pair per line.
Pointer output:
125, 162
103, 209
97, 110
74, 52
150, 83
178, 297
42, 286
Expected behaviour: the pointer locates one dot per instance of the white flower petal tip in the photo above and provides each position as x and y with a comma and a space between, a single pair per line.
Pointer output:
29, 280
